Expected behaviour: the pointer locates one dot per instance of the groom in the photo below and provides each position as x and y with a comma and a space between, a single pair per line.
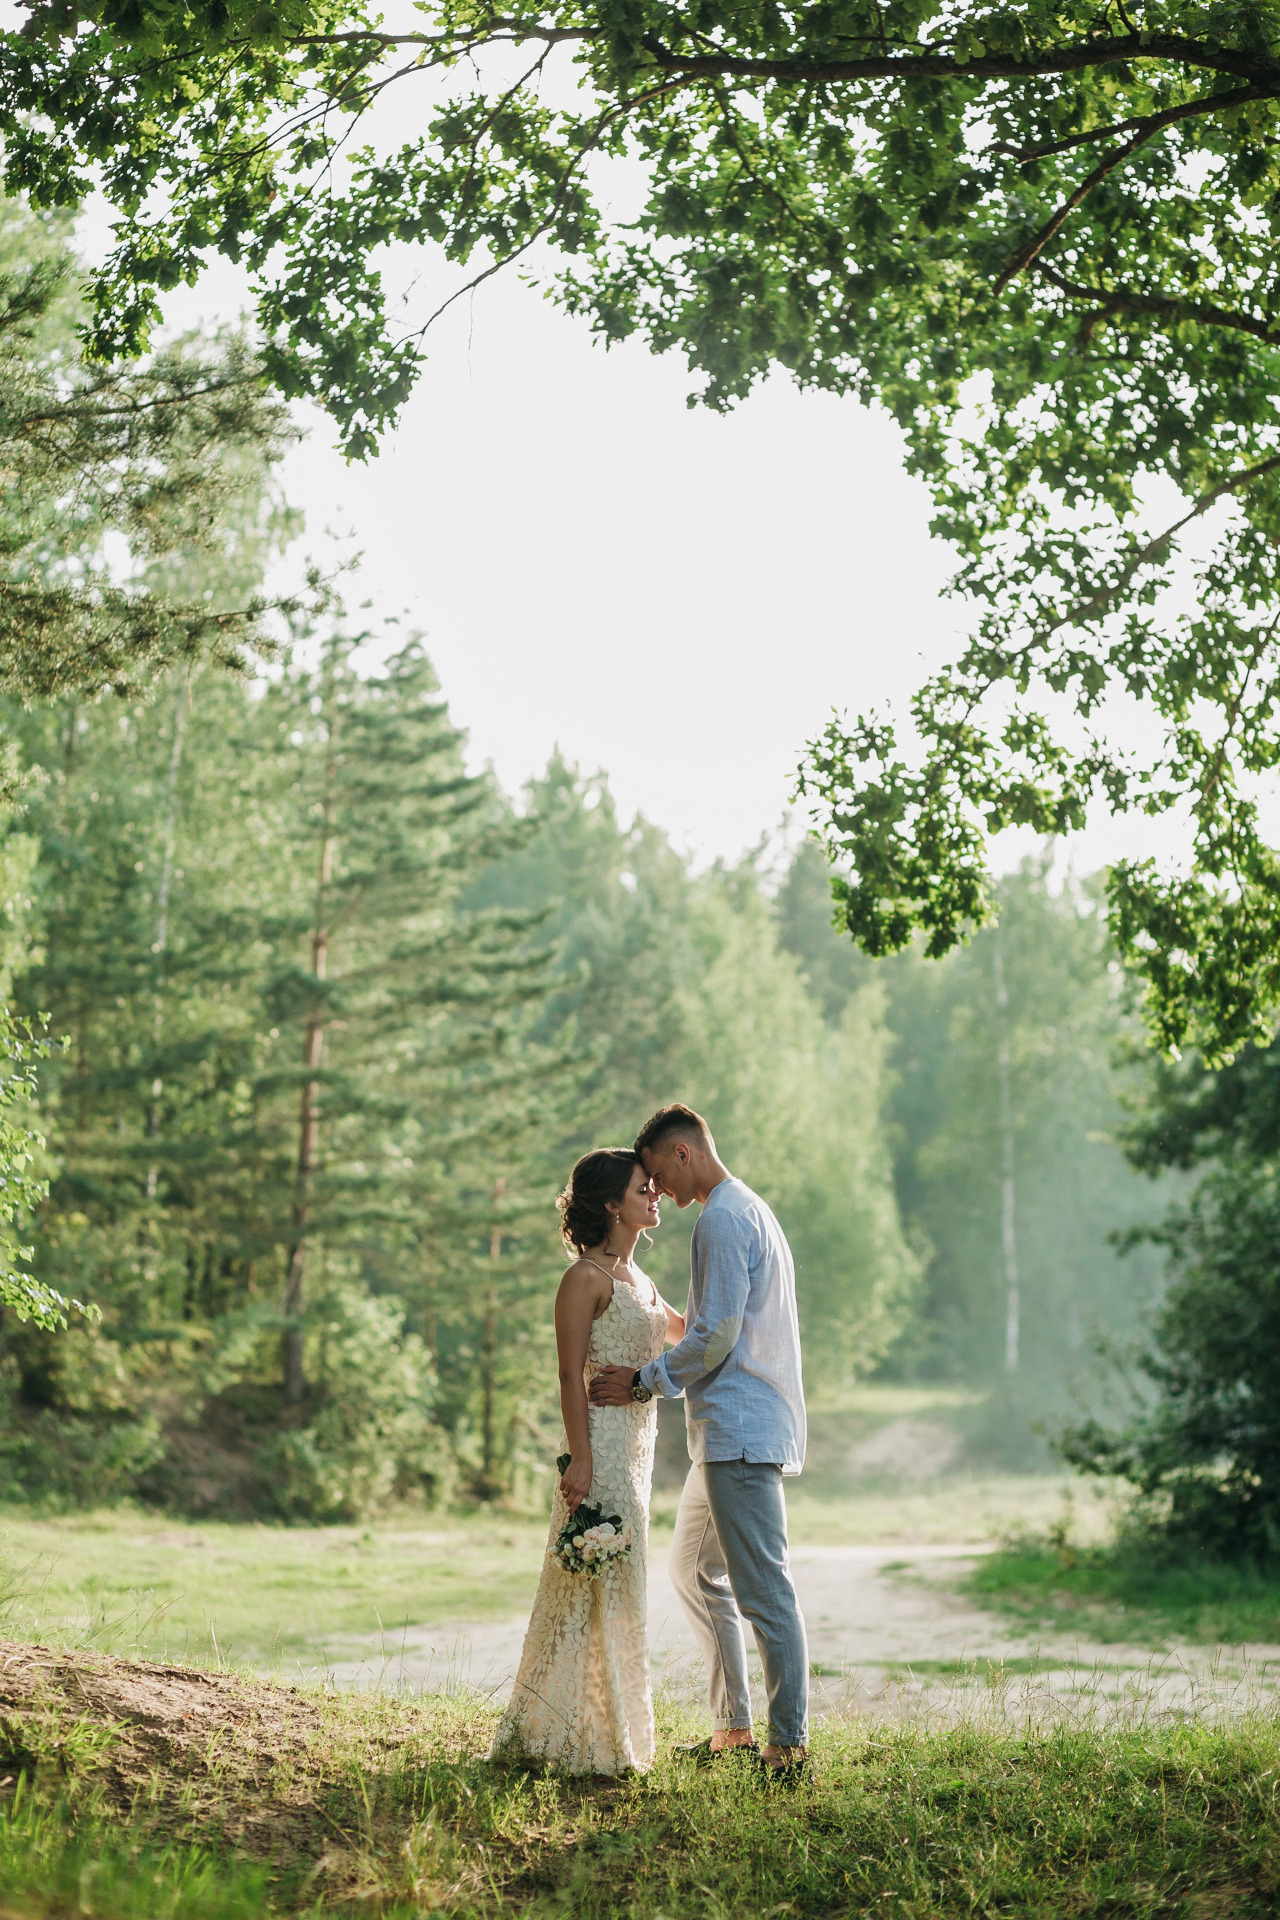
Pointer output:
738, 1367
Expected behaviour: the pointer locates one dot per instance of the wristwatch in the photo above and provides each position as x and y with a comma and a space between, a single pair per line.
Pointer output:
638, 1393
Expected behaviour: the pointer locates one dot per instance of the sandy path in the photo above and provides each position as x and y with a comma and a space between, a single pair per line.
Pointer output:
856, 1616
873, 1613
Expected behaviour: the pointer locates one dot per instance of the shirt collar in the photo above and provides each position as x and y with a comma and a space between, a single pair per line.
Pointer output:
721, 1186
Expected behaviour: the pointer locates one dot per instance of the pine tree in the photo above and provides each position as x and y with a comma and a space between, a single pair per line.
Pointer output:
162, 457
408, 1015
299, 1089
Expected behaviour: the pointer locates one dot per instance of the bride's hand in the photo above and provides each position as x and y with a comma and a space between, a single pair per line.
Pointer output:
575, 1482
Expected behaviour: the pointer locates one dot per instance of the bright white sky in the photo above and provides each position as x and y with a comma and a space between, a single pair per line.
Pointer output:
673, 596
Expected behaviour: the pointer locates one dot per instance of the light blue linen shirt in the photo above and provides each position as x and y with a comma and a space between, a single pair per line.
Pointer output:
738, 1365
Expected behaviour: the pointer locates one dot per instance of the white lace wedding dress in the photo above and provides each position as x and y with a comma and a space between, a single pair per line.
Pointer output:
582, 1700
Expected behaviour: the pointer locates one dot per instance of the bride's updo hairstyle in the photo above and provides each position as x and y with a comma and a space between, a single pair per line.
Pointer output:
600, 1177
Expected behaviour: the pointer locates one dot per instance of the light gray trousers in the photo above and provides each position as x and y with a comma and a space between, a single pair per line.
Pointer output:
729, 1563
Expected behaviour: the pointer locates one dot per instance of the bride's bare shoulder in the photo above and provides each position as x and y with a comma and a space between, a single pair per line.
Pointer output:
583, 1279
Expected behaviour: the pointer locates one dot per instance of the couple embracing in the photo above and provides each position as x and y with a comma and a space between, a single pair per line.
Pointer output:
582, 1699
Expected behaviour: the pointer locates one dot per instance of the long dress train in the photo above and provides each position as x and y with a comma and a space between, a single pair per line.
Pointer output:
581, 1699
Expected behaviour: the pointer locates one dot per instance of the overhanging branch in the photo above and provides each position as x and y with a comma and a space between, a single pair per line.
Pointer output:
1190, 110
708, 63
1171, 49
1159, 306
1235, 483
1143, 130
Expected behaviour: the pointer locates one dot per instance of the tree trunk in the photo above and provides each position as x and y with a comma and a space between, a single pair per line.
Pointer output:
309, 1111
490, 1359
160, 934
1008, 1190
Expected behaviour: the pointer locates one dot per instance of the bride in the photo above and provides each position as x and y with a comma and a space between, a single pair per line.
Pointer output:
581, 1700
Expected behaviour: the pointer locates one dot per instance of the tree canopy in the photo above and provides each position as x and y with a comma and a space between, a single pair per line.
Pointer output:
1199, 1440
116, 479
1041, 236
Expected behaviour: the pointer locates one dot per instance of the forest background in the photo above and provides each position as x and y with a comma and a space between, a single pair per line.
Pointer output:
328, 1020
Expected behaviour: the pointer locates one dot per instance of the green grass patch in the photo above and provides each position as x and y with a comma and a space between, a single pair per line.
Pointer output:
1116, 1593
315, 1805
58, 1858
959, 1510
990, 1672
126, 1581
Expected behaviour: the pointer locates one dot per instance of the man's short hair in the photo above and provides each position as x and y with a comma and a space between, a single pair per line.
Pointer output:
671, 1120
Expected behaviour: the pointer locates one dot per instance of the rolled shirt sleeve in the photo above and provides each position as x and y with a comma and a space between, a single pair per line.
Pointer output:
724, 1262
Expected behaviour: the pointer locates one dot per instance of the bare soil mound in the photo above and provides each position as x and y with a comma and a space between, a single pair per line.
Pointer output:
249, 1762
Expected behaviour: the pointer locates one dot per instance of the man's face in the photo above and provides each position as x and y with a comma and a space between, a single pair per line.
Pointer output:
669, 1166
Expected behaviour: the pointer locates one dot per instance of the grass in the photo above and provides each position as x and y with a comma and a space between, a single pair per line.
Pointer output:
388, 1807
269, 1595
993, 1670
135, 1793
1110, 1593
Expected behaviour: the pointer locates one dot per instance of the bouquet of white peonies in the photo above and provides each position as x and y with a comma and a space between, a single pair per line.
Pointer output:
589, 1539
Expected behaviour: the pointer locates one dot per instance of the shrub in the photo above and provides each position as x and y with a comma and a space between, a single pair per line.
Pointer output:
1204, 1456
82, 1422
369, 1436
72, 1430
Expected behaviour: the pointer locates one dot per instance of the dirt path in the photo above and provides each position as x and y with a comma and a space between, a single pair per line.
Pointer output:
886, 1631
858, 1616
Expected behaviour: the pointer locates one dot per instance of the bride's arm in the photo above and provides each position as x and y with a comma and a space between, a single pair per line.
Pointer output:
675, 1322
575, 1310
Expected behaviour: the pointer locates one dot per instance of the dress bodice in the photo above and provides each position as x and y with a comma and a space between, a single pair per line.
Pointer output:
630, 1331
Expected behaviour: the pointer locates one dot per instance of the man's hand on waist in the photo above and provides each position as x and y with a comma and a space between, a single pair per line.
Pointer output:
611, 1386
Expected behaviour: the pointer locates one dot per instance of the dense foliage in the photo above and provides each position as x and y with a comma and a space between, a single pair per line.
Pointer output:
112, 477
1010, 1181
313, 1202
1202, 1447
1206, 1452
1041, 236
116, 482
337, 1022
292, 1070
